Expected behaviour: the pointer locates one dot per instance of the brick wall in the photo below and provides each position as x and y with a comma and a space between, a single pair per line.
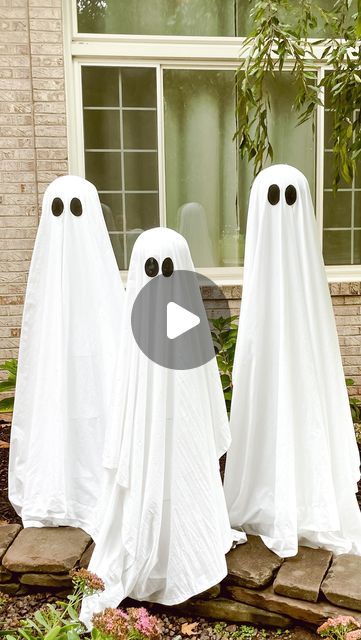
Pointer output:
33, 152
33, 143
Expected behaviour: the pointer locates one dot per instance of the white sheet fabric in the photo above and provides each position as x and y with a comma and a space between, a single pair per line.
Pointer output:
70, 330
164, 525
293, 464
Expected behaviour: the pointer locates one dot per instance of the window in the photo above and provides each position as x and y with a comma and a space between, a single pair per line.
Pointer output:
121, 150
152, 119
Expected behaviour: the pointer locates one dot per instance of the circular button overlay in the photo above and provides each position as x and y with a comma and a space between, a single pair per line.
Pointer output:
169, 321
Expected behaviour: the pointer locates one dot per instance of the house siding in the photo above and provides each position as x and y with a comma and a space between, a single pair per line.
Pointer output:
33, 142
33, 152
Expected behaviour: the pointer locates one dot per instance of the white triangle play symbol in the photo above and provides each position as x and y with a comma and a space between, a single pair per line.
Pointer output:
179, 320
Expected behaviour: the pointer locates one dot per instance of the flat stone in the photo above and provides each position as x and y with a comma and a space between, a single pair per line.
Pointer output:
46, 580
310, 612
252, 564
301, 576
342, 585
212, 592
10, 588
230, 611
8, 533
46, 550
86, 557
5, 575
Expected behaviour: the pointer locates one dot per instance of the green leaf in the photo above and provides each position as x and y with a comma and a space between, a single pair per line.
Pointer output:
51, 635
6, 405
10, 366
73, 614
26, 635
7, 385
41, 620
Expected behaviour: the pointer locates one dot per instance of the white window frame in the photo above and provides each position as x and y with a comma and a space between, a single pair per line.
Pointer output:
168, 52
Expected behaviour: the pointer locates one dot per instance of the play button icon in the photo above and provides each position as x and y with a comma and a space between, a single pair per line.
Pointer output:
179, 320
169, 320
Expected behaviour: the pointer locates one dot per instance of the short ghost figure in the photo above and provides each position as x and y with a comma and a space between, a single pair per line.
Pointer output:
164, 527
293, 465
70, 329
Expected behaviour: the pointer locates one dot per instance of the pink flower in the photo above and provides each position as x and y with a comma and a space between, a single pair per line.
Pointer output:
146, 624
337, 628
120, 625
353, 635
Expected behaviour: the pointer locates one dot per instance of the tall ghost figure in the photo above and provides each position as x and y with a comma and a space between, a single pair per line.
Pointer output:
70, 330
293, 465
164, 528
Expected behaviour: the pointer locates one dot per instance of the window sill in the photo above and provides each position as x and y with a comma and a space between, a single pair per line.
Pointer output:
233, 276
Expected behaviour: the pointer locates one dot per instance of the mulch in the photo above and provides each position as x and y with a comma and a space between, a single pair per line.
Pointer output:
7, 513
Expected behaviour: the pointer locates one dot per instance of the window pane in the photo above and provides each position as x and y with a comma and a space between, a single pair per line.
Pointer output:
100, 86
341, 212
120, 135
101, 129
140, 130
201, 161
357, 212
337, 209
158, 17
104, 170
337, 247
245, 24
357, 246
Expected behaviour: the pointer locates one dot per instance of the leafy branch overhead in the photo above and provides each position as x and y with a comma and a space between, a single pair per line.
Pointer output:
274, 45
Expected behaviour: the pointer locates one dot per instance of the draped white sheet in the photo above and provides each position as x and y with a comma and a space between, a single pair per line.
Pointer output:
70, 330
293, 464
164, 528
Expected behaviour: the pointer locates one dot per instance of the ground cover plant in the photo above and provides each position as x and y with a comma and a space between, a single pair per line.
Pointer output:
340, 628
60, 620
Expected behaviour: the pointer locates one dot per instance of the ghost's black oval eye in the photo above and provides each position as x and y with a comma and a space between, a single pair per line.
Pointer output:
291, 194
151, 267
76, 207
273, 194
57, 207
167, 267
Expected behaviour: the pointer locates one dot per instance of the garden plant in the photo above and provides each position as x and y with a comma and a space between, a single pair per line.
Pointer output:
61, 622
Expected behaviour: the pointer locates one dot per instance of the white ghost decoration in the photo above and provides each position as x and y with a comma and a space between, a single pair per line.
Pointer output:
293, 465
70, 330
164, 528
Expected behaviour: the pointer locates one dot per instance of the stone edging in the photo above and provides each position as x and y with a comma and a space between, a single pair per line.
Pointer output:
260, 587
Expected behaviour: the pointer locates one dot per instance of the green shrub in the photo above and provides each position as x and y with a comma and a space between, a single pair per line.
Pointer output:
8, 385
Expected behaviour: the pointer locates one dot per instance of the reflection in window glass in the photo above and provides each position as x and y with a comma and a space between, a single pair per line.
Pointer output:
201, 164
209, 18
245, 23
341, 211
158, 17
121, 155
